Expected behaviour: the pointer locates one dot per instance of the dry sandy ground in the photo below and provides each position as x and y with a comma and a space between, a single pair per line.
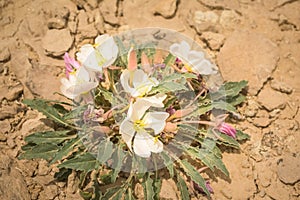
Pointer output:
256, 40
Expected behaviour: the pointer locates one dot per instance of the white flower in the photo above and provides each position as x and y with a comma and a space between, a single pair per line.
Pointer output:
102, 54
79, 82
136, 126
194, 60
137, 82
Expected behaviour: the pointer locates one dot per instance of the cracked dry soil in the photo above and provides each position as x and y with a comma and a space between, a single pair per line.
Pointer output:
258, 41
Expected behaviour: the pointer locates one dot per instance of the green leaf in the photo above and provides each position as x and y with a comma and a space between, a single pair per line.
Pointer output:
66, 149
211, 160
175, 76
118, 158
193, 174
105, 150
54, 137
229, 89
83, 162
234, 101
62, 174
75, 113
206, 156
45, 151
222, 105
148, 188
170, 59
165, 87
228, 141
240, 135
111, 193
157, 187
46, 109
129, 195
168, 162
184, 193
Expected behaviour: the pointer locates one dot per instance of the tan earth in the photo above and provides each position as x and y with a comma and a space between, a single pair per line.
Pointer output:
258, 41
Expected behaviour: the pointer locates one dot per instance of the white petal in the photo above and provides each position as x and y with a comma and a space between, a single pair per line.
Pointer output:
89, 58
82, 88
184, 47
180, 50
124, 78
195, 55
137, 110
204, 67
144, 144
108, 49
82, 75
139, 77
65, 92
127, 132
101, 38
84, 52
155, 101
156, 121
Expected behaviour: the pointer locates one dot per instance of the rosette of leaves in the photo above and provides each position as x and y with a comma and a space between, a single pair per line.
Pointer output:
105, 166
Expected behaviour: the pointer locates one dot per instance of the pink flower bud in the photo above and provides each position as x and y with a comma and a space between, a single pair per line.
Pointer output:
132, 60
227, 129
171, 127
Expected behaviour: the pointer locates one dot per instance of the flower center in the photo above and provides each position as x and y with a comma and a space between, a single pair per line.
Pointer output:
139, 125
188, 68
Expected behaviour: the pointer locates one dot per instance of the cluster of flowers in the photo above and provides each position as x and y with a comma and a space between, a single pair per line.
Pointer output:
141, 127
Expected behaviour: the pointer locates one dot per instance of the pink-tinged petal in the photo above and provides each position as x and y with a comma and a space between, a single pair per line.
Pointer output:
70, 64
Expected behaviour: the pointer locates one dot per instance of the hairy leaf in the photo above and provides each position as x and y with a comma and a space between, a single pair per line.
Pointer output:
148, 188
222, 105
234, 101
228, 141
118, 158
45, 151
105, 150
193, 174
67, 148
157, 183
168, 162
240, 135
111, 193
229, 89
45, 108
165, 87
184, 193
176, 76
129, 195
83, 162
54, 137
75, 113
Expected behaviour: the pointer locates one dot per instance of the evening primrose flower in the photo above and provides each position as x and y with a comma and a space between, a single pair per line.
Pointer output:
137, 82
194, 61
78, 83
137, 126
102, 54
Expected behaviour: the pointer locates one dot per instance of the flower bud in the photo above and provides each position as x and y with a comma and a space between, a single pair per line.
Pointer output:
171, 127
132, 60
227, 129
